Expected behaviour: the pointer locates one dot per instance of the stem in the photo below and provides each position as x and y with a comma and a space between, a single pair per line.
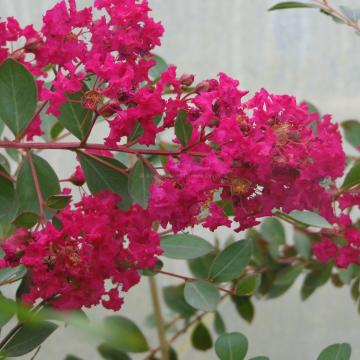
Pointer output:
79, 146
37, 187
164, 346
190, 279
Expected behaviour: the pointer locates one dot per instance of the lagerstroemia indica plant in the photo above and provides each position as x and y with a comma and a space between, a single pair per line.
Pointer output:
196, 154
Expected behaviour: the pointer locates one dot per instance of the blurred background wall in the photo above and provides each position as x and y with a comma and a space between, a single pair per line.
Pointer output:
297, 52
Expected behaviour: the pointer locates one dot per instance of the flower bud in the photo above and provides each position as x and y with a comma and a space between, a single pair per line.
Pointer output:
203, 86
187, 79
32, 45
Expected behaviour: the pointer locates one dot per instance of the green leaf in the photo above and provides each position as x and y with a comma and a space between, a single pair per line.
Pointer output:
292, 5
309, 218
25, 186
200, 266
230, 263
124, 335
231, 346
201, 338
352, 132
7, 310
273, 231
152, 271
336, 352
12, 273
260, 358
72, 357
318, 276
110, 353
26, 220
303, 244
219, 324
184, 246
13, 153
183, 129
58, 202
8, 203
74, 117
248, 285
137, 132
175, 301
4, 163
352, 178
100, 175
2, 126
28, 338
140, 179
18, 96
161, 66
201, 295
288, 274
244, 307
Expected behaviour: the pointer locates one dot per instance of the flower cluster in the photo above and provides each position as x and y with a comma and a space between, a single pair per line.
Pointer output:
93, 255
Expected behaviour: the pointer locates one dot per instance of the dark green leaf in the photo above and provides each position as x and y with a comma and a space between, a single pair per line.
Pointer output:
8, 203
244, 307
201, 338
2, 126
161, 66
201, 295
18, 96
309, 218
74, 117
248, 285
303, 244
137, 132
58, 201
110, 353
25, 186
184, 246
229, 264
219, 325
7, 310
183, 129
288, 274
124, 335
174, 299
200, 266
336, 352
273, 231
318, 276
72, 357
140, 179
4, 164
102, 176
231, 346
28, 338
260, 358
13, 153
352, 132
292, 5
56, 130
26, 220
352, 178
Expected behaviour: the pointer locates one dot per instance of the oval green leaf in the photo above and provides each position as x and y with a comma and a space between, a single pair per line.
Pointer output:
201, 295
309, 218
8, 204
336, 352
28, 338
124, 335
183, 129
101, 174
18, 96
174, 299
352, 132
231, 346
110, 353
248, 285
74, 117
58, 202
292, 5
26, 220
140, 179
184, 246
201, 338
25, 186
352, 178
230, 263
